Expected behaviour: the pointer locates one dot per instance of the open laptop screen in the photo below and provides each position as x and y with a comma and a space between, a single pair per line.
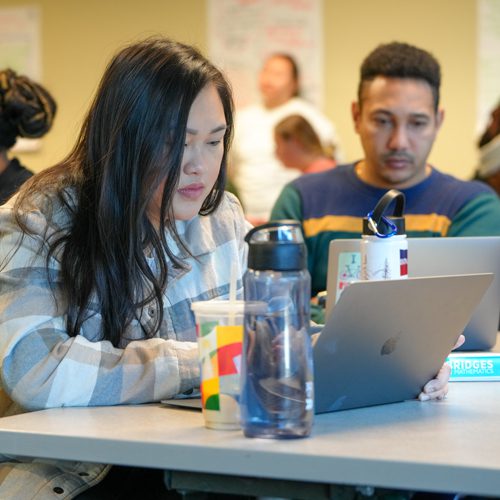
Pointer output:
433, 257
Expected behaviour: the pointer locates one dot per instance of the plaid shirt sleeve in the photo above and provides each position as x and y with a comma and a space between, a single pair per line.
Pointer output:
43, 367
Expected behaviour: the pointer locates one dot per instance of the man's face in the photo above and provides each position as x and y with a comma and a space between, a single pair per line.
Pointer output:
276, 82
397, 125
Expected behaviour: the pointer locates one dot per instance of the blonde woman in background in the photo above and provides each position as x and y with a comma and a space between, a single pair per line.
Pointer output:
298, 146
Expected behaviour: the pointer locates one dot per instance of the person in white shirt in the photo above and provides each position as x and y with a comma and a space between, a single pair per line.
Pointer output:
256, 172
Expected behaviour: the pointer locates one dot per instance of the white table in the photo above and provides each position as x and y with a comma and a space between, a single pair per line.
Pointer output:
451, 445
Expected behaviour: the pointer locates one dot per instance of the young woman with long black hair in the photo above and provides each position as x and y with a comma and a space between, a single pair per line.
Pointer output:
102, 254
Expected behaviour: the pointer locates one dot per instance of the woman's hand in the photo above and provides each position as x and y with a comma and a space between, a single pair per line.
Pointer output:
437, 388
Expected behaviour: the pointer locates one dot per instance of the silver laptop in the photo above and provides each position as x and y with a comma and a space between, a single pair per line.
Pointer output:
385, 339
433, 257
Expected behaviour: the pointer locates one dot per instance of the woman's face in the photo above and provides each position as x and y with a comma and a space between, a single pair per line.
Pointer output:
287, 151
203, 152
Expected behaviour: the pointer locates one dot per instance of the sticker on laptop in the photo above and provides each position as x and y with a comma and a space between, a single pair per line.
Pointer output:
349, 267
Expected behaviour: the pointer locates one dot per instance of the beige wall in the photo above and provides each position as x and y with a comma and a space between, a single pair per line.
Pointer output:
79, 37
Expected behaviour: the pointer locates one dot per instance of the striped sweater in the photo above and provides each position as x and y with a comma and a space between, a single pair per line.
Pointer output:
332, 205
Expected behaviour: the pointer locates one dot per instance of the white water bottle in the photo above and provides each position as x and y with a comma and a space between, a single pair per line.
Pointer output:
384, 247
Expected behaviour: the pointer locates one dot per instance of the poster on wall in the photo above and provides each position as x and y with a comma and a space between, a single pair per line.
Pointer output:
488, 60
20, 50
242, 33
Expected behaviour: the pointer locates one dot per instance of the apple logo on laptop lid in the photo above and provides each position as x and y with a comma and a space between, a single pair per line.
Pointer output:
390, 345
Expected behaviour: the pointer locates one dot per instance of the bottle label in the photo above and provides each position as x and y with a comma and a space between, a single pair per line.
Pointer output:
384, 259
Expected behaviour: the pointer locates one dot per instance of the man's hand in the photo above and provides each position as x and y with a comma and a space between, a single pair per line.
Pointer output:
437, 388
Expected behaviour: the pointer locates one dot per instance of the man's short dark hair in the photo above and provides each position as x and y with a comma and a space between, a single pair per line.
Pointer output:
401, 60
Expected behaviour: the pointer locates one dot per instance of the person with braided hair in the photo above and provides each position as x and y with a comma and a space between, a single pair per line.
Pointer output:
26, 110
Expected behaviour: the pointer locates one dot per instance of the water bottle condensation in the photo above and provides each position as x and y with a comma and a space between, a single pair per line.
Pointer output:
384, 246
276, 398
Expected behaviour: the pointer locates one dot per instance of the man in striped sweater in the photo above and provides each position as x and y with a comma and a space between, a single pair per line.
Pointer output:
397, 117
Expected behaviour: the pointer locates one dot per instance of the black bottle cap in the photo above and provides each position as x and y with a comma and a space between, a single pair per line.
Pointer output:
277, 246
376, 221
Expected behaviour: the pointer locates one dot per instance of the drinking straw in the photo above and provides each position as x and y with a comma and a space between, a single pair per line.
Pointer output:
232, 292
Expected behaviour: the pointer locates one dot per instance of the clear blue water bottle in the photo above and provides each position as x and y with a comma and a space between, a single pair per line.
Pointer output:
277, 374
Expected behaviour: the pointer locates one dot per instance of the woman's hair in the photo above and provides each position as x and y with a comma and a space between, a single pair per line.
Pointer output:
298, 128
26, 108
132, 139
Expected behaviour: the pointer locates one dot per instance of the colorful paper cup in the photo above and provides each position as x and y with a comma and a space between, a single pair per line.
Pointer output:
219, 327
